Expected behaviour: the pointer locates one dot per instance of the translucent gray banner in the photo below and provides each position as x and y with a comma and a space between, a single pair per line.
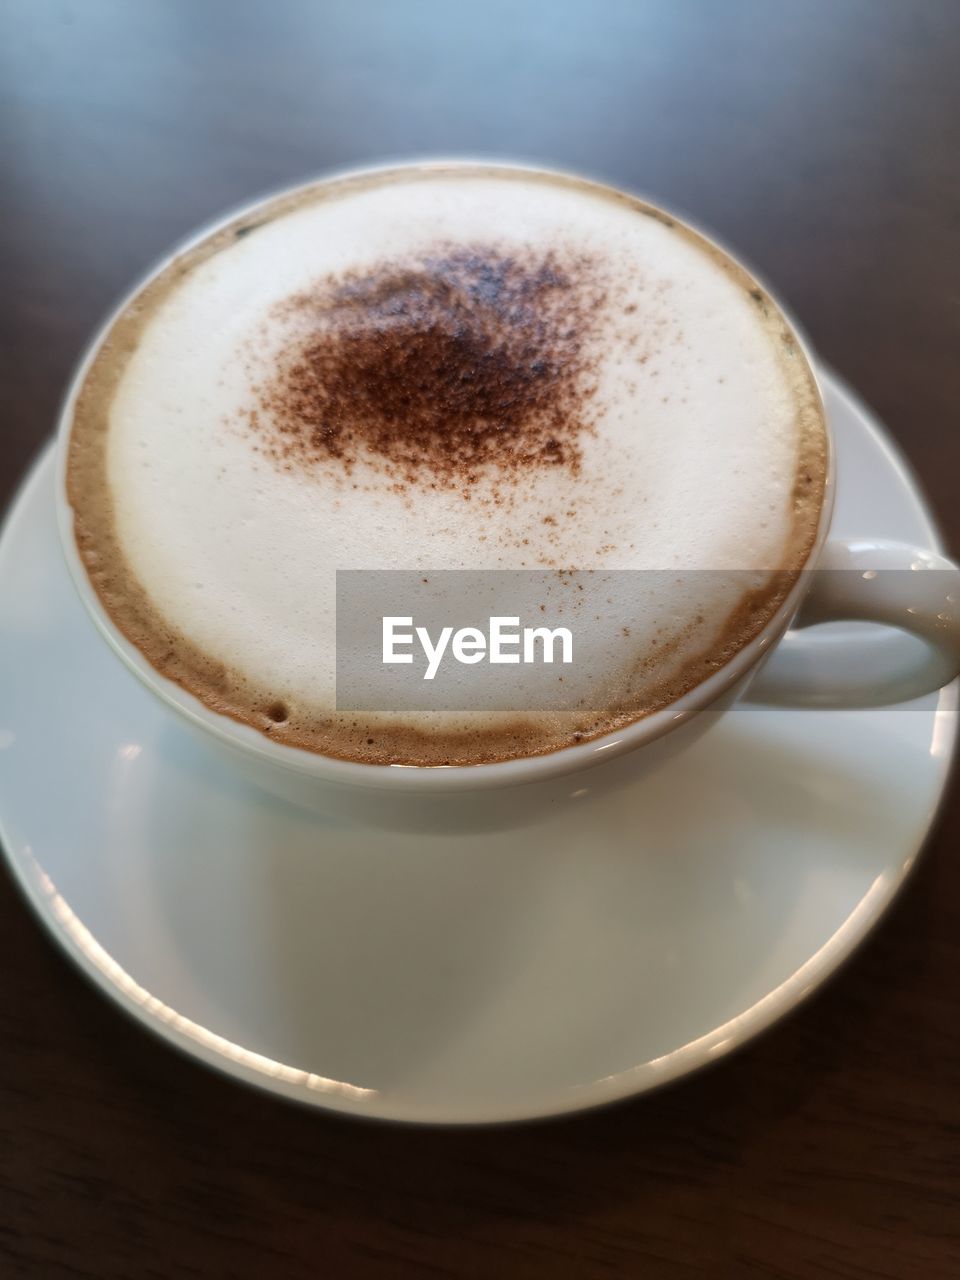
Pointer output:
530, 640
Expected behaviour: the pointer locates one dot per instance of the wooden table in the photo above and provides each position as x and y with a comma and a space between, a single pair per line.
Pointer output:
822, 139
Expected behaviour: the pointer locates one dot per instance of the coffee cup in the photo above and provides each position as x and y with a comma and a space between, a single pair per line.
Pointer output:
778, 660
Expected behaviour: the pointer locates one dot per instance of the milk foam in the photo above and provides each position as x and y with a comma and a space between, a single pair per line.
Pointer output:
692, 463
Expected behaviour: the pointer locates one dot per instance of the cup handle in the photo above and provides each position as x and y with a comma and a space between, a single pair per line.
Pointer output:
871, 580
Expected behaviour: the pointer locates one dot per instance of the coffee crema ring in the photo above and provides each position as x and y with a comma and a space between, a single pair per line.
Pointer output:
437, 368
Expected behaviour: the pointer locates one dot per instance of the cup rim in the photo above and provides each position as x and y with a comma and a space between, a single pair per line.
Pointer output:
430, 778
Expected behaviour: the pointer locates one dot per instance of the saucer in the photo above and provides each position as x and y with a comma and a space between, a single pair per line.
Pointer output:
616, 945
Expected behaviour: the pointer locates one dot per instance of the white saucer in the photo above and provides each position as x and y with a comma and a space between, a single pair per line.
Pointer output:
614, 947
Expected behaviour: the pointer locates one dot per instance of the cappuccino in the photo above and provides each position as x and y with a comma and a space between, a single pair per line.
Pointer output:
442, 367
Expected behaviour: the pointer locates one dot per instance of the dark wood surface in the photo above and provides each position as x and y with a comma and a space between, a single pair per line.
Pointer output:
822, 139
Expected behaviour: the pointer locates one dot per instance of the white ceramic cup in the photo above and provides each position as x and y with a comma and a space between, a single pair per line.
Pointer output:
866, 579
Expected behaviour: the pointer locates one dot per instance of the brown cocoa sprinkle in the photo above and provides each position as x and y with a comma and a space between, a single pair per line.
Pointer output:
442, 368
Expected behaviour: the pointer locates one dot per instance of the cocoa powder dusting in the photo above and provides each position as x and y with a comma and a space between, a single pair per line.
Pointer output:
467, 360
